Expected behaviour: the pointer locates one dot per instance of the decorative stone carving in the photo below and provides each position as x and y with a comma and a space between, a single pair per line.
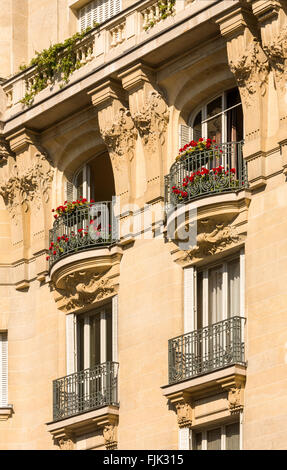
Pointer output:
120, 137
27, 185
110, 436
212, 238
184, 414
276, 51
151, 121
251, 70
234, 399
82, 288
5, 151
66, 443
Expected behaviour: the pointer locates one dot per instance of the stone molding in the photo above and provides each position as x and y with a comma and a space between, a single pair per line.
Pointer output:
217, 228
66, 432
207, 398
5, 151
85, 280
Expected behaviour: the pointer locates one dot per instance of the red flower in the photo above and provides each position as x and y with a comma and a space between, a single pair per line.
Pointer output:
54, 252
47, 258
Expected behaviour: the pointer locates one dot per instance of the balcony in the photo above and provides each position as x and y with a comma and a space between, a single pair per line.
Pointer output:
86, 228
139, 31
85, 391
218, 170
206, 350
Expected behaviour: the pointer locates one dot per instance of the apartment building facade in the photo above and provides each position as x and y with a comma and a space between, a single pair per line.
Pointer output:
143, 208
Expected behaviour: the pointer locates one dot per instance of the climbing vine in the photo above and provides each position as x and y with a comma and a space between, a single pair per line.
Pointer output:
59, 60
166, 8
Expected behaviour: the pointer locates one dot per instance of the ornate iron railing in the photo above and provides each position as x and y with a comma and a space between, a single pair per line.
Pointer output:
85, 390
207, 349
183, 184
87, 227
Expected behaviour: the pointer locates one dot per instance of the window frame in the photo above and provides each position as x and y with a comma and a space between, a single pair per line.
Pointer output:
191, 301
3, 369
205, 120
222, 426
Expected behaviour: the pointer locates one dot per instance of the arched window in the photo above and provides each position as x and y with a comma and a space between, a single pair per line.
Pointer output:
94, 180
220, 119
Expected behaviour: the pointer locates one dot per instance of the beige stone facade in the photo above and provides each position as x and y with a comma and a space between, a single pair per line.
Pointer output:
139, 339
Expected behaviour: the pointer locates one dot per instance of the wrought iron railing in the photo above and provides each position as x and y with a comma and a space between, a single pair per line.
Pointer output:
186, 180
85, 390
86, 227
207, 349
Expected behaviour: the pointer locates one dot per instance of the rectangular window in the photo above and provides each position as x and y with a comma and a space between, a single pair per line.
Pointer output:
3, 369
225, 437
98, 11
95, 338
218, 293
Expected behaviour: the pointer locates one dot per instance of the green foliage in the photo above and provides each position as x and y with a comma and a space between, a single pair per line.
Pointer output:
58, 60
166, 8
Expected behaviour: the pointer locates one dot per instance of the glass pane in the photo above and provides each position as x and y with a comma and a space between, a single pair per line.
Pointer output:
95, 340
214, 126
233, 288
214, 439
232, 436
80, 185
215, 280
198, 441
232, 97
197, 127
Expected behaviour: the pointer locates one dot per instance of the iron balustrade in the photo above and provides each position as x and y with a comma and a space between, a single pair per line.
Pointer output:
86, 227
206, 349
233, 177
86, 390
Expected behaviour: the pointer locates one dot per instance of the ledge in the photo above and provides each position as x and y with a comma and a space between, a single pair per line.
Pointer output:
213, 382
66, 431
6, 412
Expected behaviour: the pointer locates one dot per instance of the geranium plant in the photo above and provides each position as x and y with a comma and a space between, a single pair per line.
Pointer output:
70, 207
215, 179
197, 146
80, 237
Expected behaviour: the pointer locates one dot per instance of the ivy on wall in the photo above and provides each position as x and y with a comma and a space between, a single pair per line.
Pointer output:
59, 60
166, 8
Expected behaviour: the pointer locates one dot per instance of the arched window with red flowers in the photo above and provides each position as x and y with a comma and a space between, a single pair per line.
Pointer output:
220, 119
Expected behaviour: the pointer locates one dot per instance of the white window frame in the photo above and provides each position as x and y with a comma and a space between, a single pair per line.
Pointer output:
190, 292
72, 341
223, 113
204, 431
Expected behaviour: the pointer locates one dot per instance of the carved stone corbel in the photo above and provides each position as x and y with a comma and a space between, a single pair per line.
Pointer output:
110, 436
65, 443
251, 69
117, 130
5, 151
150, 114
182, 402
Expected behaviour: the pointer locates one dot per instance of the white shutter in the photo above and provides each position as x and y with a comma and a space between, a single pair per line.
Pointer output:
3, 369
184, 135
69, 191
183, 439
189, 298
98, 11
70, 343
115, 327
